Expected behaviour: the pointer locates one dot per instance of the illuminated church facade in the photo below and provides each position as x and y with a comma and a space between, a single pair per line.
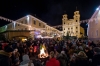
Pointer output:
72, 26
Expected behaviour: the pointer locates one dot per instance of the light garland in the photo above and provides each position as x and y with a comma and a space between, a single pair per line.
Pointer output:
82, 21
9, 20
34, 28
30, 28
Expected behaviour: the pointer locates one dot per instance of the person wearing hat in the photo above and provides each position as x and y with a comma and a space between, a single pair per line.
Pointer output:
96, 57
5, 56
52, 61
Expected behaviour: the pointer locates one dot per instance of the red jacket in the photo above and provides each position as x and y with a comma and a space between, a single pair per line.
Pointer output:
53, 62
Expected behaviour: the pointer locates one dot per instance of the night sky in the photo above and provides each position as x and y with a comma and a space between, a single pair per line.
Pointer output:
50, 11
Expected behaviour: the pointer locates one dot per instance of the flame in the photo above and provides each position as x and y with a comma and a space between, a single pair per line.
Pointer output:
43, 54
42, 51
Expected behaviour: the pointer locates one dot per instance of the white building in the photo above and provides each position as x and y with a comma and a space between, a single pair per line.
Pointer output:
93, 30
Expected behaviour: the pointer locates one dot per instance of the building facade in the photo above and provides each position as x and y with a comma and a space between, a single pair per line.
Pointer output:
72, 26
30, 23
93, 30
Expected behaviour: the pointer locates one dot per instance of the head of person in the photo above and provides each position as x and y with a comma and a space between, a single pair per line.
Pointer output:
9, 50
52, 54
87, 49
96, 50
16, 50
62, 52
82, 54
91, 47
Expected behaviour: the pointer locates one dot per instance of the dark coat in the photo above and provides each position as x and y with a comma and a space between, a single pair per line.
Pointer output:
37, 62
82, 61
96, 60
63, 59
4, 59
89, 54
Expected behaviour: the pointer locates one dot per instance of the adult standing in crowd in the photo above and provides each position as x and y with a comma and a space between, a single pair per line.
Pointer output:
5, 56
96, 57
52, 61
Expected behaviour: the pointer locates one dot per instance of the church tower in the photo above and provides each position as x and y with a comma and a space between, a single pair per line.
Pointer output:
76, 23
77, 16
64, 23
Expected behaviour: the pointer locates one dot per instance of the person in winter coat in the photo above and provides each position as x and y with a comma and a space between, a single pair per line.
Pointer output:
16, 62
96, 57
26, 61
63, 59
37, 62
82, 59
5, 56
52, 61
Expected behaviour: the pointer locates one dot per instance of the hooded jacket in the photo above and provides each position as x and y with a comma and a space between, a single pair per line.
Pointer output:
26, 61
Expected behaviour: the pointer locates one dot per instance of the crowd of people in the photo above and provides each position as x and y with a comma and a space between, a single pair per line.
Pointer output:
76, 52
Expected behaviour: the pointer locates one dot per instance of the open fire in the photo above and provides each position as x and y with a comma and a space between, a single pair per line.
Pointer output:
43, 53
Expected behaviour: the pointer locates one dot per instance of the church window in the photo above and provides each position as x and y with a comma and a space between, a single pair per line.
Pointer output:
76, 20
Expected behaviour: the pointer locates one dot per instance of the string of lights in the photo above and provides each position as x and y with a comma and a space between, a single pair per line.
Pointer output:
9, 20
30, 28
12, 21
82, 21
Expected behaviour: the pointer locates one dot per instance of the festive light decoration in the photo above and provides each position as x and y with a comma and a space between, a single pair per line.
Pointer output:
82, 21
34, 28
27, 25
9, 20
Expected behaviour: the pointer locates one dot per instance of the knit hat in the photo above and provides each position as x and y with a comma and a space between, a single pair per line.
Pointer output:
8, 49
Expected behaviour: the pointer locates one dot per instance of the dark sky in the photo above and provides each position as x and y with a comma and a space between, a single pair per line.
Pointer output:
50, 11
